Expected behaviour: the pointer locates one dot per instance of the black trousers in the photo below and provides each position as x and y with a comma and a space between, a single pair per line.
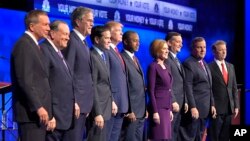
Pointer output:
219, 129
31, 131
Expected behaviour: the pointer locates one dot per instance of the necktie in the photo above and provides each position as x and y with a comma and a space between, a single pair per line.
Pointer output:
203, 66
103, 58
85, 45
119, 55
61, 56
136, 63
224, 73
178, 63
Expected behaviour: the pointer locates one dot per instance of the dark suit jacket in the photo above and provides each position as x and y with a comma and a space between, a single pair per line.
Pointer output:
198, 86
118, 81
101, 78
78, 59
178, 93
30, 82
61, 83
224, 94
136, 86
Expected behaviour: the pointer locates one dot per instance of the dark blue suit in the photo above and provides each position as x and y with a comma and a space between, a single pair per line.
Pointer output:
199, 95
61, 84
31, 88
78, 58
119, 90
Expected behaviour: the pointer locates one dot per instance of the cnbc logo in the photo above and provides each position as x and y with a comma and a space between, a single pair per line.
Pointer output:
45, 6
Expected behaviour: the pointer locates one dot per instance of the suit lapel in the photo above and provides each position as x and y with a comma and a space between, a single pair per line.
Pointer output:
174, 61
229, 71
101, 61
37, 51
218, 71
117, 58
58, 59
209, 76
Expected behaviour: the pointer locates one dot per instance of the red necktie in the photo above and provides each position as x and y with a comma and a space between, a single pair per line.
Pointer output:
224, 73
119, 55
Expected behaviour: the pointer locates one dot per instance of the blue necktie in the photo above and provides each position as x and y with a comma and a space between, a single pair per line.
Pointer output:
103, 58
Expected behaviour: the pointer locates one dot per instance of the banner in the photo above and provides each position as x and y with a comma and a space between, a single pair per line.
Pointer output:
154, 14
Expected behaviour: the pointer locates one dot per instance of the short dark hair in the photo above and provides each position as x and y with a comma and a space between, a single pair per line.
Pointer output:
170, 35
196, 40
127, 34
97, 31
32, 17
156, 46
77, 14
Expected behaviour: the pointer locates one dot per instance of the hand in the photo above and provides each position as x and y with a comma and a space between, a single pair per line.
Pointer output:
213, 111
114, 108
131, 117
176, 107
171, 116
185, 108
146, 114
236, 112
77, 110
51, 125
99, 121
194, 113
156, 118
43, 115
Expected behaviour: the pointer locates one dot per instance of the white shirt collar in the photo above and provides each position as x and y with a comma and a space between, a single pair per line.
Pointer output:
219, 63
32, 37
112, 45
53, 45
129, 53
79, 34
100, 52
174, 55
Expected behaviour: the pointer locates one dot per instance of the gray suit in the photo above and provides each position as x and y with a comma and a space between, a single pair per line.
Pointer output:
137, 100
226, 100
102, 98
178, 93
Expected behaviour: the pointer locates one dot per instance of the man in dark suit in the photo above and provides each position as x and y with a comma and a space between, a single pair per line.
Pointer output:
225, 93
78, 58
118, 79
199, 92
60, 80
101, 111
134, 120
31, 90
174, 41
